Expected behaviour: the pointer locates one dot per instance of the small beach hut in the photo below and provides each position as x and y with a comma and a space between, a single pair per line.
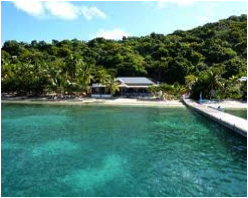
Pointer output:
128, 87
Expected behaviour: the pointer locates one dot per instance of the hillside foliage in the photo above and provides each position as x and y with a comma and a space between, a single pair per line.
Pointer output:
210, 57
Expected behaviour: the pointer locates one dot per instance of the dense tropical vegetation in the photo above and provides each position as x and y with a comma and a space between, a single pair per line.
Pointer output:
207, 59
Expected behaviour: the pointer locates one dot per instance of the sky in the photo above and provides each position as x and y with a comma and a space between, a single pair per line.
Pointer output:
27, 20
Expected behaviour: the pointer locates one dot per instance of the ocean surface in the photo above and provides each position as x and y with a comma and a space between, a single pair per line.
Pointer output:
242, 113
53, 150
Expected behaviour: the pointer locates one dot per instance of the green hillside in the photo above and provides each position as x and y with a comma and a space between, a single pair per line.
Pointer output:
210, 57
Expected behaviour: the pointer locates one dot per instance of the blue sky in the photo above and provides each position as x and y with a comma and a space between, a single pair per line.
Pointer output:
29, 20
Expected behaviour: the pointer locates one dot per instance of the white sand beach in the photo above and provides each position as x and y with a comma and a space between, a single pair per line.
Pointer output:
234, 104
87, 101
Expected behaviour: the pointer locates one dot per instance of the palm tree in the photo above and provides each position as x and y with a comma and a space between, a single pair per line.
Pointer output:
71, 64
112, 86
215, 83
84, 75
190, 80
154, 90
167, 91
102, 76
57, 77
232, 87
8, 77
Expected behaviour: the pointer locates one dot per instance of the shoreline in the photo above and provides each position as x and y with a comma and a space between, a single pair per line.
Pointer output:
91, 101
227, 104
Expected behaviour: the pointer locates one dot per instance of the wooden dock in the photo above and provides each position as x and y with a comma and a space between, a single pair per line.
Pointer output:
234, 123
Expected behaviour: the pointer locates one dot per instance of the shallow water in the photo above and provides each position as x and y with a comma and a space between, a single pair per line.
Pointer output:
118, 151
242, 113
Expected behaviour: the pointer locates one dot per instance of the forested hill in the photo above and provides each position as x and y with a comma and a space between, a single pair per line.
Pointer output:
219, 47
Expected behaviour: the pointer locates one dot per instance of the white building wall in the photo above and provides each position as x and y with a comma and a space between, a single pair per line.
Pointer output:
101, 95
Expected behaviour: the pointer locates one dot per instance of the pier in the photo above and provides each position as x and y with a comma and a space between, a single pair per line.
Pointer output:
234, 123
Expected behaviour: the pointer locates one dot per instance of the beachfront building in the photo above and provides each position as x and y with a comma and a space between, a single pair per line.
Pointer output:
243, 78
128, 87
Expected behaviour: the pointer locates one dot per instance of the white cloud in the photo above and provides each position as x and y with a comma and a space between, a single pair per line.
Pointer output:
59, 9
34, 8
115, 34
62, 9
91, 12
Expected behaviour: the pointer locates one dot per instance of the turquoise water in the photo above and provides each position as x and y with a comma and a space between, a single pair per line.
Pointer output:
238, 112
118, 151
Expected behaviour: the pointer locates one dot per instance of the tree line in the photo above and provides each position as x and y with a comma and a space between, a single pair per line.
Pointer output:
207, 59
